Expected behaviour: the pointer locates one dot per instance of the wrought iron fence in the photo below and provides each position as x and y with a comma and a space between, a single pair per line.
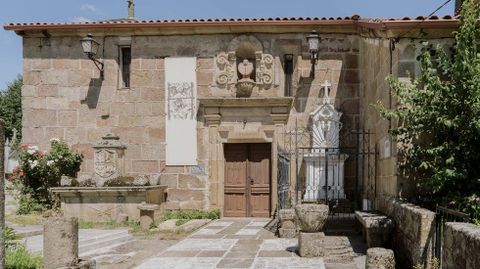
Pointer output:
343, 188
283, 180
443, 215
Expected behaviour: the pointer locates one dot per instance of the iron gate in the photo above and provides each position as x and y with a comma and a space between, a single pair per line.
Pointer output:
358, 171
283, 165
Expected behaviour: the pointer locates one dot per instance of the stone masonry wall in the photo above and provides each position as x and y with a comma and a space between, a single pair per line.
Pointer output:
375, 67
63, 97
461, 246
414, 232
339, 64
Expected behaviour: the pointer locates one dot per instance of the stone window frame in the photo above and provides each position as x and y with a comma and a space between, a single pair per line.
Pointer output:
121, 82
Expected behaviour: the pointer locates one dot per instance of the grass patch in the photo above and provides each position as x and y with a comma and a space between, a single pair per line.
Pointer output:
16, 254
108, 224
180, 222
18, 257
29, 219
134, 225
191, 214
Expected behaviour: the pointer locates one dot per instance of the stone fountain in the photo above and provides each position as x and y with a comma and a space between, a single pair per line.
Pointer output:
311, 218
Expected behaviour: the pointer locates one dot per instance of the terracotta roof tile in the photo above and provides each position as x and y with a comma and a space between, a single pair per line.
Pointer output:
214, 21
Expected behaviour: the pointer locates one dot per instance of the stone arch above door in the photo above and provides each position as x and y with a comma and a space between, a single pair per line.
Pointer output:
236, 41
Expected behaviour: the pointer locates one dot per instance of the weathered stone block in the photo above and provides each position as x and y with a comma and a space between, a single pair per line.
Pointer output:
60, 242
147, 213
377, 228
190, 182
287, 232
169, 180
145, 166
380, 258
185, 195
311, 244
461, 246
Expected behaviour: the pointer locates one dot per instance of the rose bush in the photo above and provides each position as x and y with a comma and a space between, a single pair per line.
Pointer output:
40, 170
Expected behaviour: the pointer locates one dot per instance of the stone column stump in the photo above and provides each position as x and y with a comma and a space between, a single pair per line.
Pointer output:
60, 242
147, 215
312, 218
287, 228
311, 244
380, 258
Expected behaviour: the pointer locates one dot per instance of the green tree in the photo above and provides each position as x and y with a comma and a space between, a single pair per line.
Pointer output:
439, 120
11, 107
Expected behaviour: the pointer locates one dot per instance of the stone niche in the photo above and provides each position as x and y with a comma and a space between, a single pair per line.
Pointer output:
325, 162
244, 67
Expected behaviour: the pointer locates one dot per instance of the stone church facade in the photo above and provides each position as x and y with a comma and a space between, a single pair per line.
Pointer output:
64, 96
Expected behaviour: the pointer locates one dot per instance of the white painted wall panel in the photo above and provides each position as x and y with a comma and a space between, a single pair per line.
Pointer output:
181, 110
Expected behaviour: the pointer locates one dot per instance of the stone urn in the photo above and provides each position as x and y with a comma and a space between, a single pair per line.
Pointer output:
245, 87
311, 217
245, 84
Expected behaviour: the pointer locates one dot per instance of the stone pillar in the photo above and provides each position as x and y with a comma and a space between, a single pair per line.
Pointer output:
380, 258
311, 218
147, 215
2, 194
60, 242
311, 244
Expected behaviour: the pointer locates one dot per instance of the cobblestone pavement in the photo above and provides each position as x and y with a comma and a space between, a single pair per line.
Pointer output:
244, 243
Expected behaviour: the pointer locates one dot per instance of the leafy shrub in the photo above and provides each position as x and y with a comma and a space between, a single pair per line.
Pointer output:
10, 234
27, 205
38, 171
18, 257
192, 214
437, 120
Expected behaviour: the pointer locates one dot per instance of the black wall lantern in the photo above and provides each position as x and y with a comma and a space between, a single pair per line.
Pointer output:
313, 40
90, 48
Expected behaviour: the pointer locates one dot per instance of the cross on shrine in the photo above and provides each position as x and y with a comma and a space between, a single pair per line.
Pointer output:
326, 97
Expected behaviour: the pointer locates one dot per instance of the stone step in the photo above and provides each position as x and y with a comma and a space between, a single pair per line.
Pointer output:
26, 230
86, 239
105, 241
90, 240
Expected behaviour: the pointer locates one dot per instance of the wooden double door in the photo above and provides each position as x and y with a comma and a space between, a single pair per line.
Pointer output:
247, 182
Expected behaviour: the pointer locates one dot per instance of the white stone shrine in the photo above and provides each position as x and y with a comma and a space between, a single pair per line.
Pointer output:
326, 127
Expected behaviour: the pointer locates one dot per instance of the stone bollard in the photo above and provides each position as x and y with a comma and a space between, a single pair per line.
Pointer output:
380, 258
287, 228
60, 242
311, 218
147, 215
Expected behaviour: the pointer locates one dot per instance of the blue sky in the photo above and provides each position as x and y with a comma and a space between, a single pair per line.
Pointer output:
81, 10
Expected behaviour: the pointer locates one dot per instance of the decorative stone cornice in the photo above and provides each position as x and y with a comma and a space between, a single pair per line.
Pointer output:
247, 102
278, 107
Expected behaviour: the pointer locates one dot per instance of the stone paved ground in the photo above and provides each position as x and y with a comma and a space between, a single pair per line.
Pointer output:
244, 243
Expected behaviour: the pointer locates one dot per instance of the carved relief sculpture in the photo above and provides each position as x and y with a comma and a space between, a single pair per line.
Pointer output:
264, 69
181, 101
226, 71
108, 159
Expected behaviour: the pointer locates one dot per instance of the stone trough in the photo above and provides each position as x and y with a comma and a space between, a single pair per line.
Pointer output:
107, 203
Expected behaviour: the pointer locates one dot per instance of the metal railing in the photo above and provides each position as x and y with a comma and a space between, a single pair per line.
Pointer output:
443, 215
